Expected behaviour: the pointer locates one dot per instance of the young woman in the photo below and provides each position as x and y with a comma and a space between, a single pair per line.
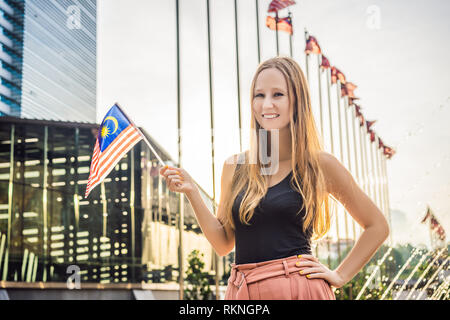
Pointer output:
271, 215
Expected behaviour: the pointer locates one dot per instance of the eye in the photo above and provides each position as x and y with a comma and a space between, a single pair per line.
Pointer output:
259, 94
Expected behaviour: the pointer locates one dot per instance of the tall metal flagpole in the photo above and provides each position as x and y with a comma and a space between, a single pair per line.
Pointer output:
355, 149
383, 186
378, 175
211, 104
382, 181
386, 190
276, 30
341, 153
338, 107
319, 62
350, 168
374, 179
181, 195
375, 170
290, 35
363, 164
363, 137
306, 57
237, 73
369, 161
331, 132
319, 75
257, 31
347, 135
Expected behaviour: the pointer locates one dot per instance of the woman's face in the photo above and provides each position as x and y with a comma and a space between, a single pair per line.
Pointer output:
270, 100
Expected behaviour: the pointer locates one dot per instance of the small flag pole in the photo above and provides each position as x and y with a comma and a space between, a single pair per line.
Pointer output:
143, 136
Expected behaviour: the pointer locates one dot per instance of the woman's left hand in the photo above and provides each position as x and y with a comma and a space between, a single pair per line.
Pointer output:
313, 268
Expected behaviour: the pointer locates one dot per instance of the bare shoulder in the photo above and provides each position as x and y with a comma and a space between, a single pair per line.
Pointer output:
327, 160
231, 163
341, 184
335, 174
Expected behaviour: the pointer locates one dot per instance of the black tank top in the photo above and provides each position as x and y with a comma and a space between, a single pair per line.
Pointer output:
275, 229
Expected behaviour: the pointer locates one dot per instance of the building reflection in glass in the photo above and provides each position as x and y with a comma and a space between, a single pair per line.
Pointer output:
127, 229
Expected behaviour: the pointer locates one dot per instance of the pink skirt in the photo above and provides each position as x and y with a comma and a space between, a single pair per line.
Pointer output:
275, 280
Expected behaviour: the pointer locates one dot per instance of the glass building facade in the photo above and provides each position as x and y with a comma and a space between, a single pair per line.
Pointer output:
126, 231
11, 56
48, 59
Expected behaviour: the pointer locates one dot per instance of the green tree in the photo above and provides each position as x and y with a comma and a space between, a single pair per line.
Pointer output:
197, 287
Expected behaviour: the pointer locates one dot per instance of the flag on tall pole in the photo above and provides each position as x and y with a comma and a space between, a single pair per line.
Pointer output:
388, 151
336, 74
347, 89
116, 136
284, 24
369, 130
434, 224
276, 5
276, 23
325, 64
312, 46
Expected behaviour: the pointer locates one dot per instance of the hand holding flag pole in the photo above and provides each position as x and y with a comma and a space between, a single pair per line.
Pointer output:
117, 135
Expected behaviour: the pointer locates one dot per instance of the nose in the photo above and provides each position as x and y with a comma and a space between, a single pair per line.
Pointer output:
267, 104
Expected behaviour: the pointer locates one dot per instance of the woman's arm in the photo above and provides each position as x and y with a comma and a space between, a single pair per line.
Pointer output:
343, 187
178, 180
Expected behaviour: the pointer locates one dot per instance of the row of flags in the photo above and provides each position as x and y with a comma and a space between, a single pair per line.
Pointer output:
312, 47
347, 89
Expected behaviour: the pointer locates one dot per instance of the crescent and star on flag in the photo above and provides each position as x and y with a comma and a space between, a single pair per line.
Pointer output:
106, 131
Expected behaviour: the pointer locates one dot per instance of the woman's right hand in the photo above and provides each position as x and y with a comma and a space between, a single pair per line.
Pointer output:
177, 179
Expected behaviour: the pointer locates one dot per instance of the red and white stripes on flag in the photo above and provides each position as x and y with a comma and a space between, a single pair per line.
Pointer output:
276, 5
103, 162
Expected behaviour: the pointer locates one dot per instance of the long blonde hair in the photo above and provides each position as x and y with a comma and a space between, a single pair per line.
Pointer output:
306, 146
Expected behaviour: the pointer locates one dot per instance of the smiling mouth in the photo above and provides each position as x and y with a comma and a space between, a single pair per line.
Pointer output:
272, 116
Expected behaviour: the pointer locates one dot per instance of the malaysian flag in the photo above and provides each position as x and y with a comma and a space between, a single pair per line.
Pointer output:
325, 63
312, 46
336, 75
276, 5
435, 226
347, 89
116, 136
284, 24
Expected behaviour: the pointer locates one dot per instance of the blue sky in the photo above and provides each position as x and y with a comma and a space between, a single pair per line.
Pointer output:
396, 52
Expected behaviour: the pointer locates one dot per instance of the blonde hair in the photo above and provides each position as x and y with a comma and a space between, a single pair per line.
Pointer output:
306, 147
